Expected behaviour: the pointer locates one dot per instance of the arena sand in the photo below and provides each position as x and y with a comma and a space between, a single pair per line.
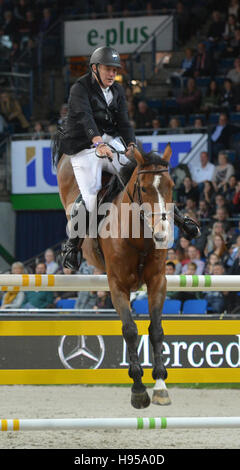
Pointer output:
77, 401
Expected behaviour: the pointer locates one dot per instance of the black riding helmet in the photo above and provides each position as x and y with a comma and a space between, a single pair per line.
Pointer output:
104, 56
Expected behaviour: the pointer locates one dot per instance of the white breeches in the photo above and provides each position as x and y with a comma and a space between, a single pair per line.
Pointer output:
88, 170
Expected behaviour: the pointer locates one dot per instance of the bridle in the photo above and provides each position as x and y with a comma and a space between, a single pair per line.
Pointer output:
137, 187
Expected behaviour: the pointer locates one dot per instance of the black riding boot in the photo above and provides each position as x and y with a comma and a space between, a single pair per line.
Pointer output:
72, 246
190, 228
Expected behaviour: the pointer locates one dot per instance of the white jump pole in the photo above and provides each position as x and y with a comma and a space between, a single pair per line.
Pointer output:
118, 423
78, 282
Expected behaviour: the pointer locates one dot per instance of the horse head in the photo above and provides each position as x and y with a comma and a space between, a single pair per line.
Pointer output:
153, 192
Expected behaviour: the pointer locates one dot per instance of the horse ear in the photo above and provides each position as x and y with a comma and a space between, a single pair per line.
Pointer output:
167, 153
138, 157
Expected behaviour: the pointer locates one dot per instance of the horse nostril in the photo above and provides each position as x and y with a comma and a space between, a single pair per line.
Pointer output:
159, 237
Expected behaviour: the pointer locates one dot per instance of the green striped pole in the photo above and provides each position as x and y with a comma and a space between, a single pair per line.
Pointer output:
118, 423
61, 282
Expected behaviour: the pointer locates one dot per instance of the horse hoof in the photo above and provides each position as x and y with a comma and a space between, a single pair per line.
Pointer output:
140, 400
161, 397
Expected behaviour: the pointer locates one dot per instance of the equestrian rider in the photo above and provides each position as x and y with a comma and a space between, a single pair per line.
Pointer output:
97, 116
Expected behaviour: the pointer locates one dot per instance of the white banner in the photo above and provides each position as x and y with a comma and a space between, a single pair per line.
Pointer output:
124, 34
32, 170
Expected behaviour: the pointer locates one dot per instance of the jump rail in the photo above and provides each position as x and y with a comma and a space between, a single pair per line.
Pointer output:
118, 423
61, 282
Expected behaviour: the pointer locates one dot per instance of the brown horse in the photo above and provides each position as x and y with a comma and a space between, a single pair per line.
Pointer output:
131, 261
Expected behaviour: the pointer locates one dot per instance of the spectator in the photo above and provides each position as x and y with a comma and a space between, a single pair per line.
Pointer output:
222, 215
236, 199
228, 98
233, 47
170, 270
174, 126
190, 208
223, 171
63, 114
203, 171
233, 8
234, 74
51, 129
41, 299
186, 67
182, 250
203, 211
12, 300
208, 192
233, 252
38, 131
15, 52
47, 20
198, 125
65, 294
20, 9
156, 126
87, 300
222, 135
210, 102
190, 100
51, 266
216, 28
217, 229
216, 299
144, 116
103, 301
220, 248
172, 258
186, 191
203, 62
29, 26
193, 258
230, 27
11, 110
10, 24
183, 22
230, 189
210, 263
191, 268
30, 57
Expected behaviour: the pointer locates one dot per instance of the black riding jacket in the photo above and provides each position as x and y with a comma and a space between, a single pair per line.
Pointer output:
89, 115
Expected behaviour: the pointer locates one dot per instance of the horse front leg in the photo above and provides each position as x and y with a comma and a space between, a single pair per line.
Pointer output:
121, 302
156, 297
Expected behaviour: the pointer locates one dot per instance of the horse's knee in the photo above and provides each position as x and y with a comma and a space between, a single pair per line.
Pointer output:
156, 334
130, 333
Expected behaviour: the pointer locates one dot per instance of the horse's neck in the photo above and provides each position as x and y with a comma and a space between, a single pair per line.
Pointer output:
129, 190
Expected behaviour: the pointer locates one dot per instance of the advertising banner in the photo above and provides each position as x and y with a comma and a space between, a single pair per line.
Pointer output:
88, 351
124, 34
33, 172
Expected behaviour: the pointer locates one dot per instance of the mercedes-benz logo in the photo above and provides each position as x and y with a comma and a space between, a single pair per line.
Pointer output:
76, 354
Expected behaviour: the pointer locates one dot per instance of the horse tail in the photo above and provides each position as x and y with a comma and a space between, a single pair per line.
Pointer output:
56, 147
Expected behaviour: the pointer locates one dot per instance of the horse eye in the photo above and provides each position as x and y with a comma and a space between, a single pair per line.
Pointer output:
144, 189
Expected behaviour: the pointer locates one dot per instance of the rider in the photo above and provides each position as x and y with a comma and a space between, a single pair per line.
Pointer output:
97, 115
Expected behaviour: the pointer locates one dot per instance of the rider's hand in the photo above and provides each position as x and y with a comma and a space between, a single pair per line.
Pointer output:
104, 151
130, 150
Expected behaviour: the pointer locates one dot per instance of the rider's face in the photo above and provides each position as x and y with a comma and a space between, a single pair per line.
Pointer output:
107, 74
